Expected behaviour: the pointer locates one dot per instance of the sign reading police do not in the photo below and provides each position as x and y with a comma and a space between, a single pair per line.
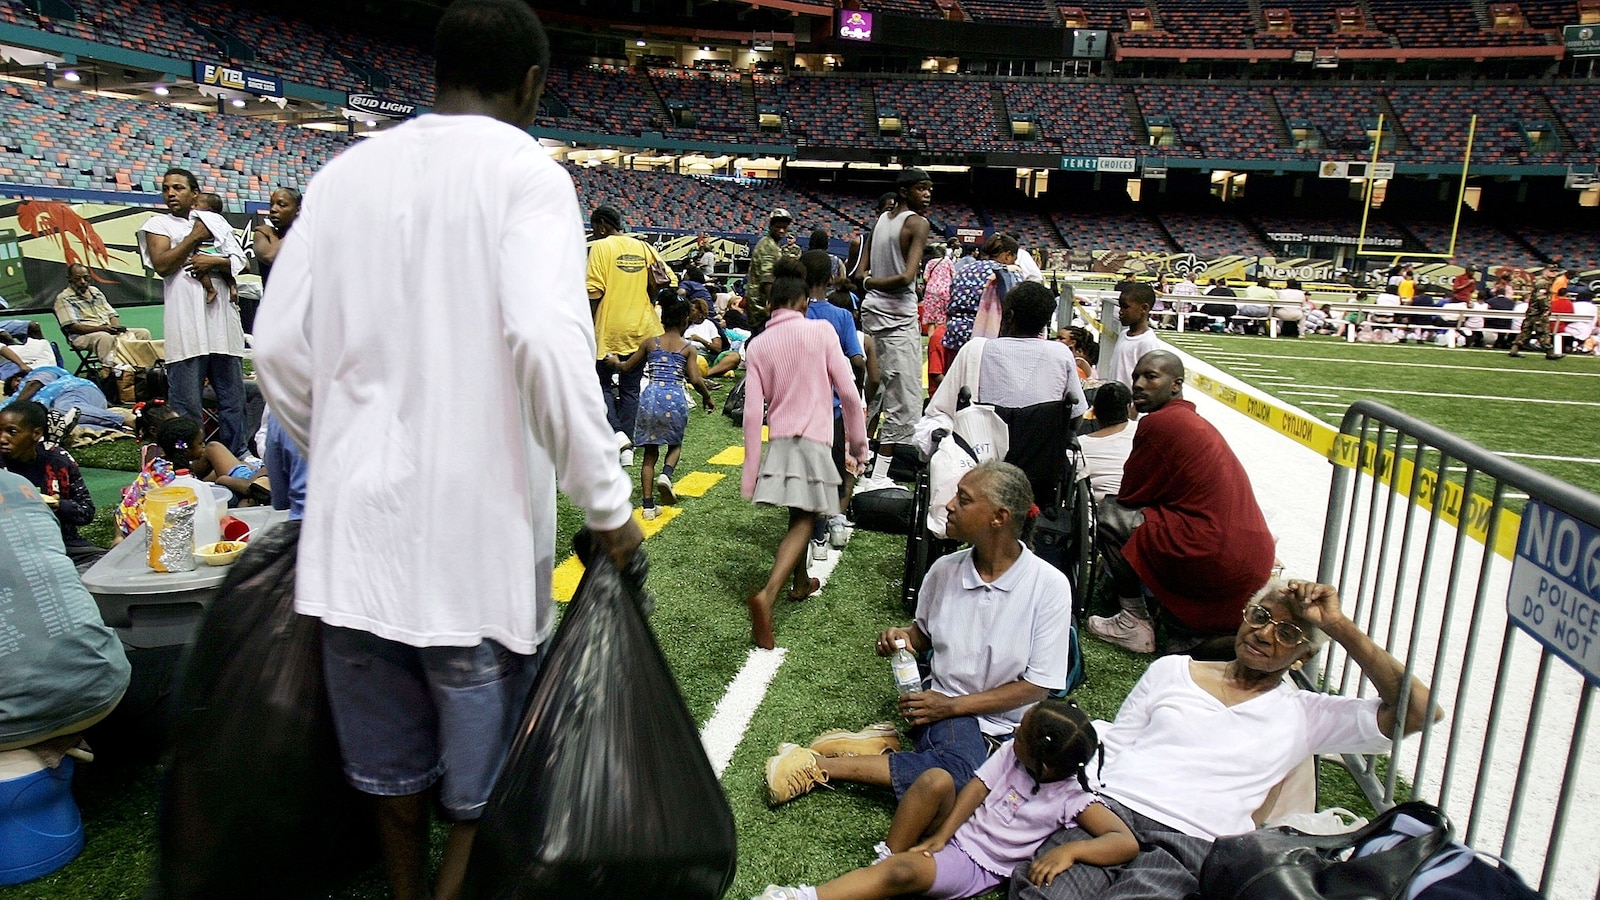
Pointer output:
1555, 586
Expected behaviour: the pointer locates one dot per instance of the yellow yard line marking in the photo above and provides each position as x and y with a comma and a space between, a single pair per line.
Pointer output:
695, 484
564, 580
733, 456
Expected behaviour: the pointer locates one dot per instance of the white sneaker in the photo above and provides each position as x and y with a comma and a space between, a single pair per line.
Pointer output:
819, 550
623, 441
626, 458
664, 488
650, 512
868, 485
775, 892
1124, 630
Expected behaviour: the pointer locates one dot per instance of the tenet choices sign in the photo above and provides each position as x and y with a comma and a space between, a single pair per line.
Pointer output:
855, 25
1555, 586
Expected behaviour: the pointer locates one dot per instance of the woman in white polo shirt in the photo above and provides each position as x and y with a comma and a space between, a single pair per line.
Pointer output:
996, 618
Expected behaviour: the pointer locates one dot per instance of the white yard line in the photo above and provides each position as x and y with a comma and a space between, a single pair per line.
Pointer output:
726, 728
1373, 362
1502, 398
1577, 459
727, 725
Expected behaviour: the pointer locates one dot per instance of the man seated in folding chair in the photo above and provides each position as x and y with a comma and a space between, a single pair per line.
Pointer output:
1184, 527
94, 329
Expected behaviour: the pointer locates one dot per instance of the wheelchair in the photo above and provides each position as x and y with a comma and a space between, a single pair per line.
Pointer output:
1044, 445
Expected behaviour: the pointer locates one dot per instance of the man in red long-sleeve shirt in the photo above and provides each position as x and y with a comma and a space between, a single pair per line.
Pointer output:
1185, 525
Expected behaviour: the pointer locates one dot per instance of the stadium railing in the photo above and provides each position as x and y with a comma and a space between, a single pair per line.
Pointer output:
1424, 535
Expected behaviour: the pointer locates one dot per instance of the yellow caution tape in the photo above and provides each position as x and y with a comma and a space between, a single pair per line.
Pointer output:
1349, 451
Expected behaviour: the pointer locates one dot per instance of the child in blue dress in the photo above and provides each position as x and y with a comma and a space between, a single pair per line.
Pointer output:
668, 361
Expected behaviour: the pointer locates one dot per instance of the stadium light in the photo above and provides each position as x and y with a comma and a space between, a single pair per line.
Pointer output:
160, 90
238, 102
71, 76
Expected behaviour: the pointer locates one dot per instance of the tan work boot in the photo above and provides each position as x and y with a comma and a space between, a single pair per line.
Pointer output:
872, 740
792, 772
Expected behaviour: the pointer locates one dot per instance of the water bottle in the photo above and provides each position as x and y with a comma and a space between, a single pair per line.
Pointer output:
207, 516
907, 679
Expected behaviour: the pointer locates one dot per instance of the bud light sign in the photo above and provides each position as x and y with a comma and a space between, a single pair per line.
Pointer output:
1555, 585
855, 25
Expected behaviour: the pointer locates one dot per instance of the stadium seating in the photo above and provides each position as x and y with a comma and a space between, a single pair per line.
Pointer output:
1125, 232
1436, 119
1197, 23
1210, 236
1011, 12
1575, 247
1086, 119
822, 110
1235, 118
715, 99
607, 99
1315, 24
72, 140
919, 9
1032, 228
1476, 242
945, 115
1443, 23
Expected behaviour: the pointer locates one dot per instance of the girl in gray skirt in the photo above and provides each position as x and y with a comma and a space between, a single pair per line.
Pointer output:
795, 368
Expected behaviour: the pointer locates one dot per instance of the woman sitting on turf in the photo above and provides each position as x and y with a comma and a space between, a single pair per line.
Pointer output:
183, 445
947, 845
1198, 747
996, 619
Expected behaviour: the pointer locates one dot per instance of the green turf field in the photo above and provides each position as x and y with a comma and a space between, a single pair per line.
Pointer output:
1534, 406
711, 555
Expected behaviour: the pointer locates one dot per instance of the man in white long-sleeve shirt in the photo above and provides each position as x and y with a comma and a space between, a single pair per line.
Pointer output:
429, 528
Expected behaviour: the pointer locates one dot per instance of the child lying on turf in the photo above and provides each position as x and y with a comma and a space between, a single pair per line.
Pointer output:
948, 846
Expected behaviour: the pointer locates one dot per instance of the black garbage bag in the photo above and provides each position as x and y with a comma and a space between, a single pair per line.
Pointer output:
254, 802
606, 792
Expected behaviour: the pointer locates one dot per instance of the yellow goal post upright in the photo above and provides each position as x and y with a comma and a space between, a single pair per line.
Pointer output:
1368, 186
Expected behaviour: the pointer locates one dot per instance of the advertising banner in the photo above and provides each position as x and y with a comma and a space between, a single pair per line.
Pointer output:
219, 75
380, 107
855, 25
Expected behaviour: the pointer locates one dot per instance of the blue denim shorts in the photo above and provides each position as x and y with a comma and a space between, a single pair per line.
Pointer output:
408, 717
954, 745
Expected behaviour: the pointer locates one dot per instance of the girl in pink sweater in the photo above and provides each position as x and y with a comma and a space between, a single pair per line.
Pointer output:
795, 368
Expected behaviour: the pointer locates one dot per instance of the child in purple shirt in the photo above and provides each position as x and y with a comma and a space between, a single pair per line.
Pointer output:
1030, 788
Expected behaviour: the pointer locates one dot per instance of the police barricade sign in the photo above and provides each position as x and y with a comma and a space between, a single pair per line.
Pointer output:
1555, 586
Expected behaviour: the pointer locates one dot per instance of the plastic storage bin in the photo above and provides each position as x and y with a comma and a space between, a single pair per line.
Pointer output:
40, 828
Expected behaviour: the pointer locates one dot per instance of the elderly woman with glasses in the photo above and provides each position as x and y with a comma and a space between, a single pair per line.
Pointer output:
1198, 747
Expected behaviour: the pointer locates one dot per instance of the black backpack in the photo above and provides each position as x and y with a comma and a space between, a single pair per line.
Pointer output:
733, 407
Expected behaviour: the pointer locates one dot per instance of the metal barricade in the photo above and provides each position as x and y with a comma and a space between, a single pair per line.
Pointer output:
1422, 527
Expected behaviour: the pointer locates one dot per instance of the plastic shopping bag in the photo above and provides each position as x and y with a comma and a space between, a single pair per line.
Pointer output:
254, 802
607, 792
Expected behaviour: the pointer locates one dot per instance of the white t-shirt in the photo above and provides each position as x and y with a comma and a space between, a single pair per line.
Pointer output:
1104, 457
1180, 756
986, 635
35, 352
706, 329
192, 327
1125, 355
1019, 372
414, 534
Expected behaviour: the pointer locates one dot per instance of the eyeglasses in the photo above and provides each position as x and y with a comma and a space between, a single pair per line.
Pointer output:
1286, 633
